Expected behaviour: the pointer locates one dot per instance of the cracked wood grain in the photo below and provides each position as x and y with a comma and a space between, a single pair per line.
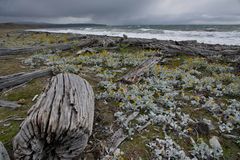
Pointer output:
59, 124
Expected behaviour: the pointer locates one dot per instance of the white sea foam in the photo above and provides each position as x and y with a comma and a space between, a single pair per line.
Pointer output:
228, 38
145, 29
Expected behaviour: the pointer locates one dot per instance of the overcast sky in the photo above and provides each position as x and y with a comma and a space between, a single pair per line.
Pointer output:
122, 11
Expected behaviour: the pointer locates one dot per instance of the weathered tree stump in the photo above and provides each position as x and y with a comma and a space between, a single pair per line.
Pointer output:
59, 124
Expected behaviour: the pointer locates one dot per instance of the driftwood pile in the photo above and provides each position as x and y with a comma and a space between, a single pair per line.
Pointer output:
228, 53
59, 124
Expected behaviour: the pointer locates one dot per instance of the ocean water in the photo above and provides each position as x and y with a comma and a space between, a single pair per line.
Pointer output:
212, 34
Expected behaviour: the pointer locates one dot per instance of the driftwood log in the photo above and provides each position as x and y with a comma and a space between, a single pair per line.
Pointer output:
3, 153
53, 48
134, 75
59, 124
9, 104
20, 78
16, 51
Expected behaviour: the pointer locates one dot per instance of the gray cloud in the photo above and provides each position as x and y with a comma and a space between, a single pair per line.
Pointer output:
121, 11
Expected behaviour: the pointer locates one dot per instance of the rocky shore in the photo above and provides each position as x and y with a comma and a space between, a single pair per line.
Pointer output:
181, 99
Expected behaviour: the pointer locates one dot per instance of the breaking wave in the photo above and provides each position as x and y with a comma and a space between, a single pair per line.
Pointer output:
202, 36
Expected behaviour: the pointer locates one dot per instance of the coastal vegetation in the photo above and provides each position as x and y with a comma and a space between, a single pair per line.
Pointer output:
184, 107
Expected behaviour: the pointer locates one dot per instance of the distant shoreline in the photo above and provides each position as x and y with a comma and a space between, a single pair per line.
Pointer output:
208, 34
226, 35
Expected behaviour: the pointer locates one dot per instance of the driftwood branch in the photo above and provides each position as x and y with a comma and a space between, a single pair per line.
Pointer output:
131, 117
17, 79
119, 136
11, 118
3, 153
144, 126
9, 104
59, 124
134, 75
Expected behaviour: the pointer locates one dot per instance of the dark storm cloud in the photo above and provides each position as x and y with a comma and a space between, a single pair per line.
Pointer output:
121, 11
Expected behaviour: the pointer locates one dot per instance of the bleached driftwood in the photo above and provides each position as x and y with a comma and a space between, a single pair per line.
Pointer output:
120, 136
53, 48
117, 138
86, 50
134, 75
19, 78
3, 152
144, 126
59, 124
9, 104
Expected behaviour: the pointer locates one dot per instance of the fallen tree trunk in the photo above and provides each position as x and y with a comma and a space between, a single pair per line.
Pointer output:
9, 104
17, 79
16, 51
59, 124
134, 75
3, 153
4, 78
